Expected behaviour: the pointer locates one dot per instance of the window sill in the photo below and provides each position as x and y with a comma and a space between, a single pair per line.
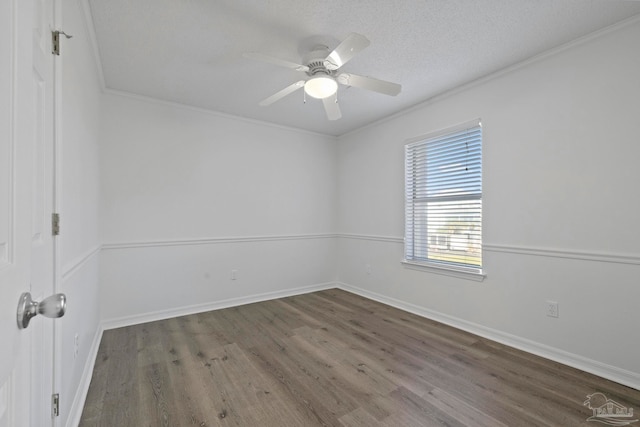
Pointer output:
467, 274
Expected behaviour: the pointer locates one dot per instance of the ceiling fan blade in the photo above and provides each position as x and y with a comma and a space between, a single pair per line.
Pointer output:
281, 94
346, 50
331, 107
277, 61
369, 83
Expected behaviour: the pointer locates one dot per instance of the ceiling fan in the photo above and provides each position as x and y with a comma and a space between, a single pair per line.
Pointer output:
323, 75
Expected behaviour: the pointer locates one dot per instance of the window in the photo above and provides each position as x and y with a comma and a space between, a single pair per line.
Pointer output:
443, 193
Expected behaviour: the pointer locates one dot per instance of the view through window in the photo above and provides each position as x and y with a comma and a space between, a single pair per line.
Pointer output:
443, 192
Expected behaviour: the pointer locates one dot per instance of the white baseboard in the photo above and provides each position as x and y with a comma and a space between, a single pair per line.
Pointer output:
613, 373
75, 412
214, 305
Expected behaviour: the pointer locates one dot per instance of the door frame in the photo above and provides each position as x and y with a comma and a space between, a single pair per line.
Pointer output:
57, 373
43, 273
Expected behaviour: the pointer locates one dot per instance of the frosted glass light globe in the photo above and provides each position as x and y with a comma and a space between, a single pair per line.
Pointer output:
321, 87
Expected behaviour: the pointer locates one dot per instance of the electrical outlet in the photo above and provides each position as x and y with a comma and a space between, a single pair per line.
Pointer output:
234, 274
367, 268
552, 309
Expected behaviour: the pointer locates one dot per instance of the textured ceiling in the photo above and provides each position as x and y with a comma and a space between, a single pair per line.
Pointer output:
190, 51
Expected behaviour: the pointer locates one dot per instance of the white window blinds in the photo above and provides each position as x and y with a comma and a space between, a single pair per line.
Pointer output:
443, 193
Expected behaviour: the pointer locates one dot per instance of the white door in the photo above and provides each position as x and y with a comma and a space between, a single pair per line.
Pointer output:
26, 201
15, 209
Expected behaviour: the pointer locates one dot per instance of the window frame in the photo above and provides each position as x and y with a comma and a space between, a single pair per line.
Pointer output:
439, 267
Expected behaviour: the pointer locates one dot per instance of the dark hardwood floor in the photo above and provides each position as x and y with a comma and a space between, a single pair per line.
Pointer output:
329, 358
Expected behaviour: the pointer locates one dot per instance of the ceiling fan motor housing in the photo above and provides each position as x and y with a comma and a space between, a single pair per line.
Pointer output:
315, 61
317, 67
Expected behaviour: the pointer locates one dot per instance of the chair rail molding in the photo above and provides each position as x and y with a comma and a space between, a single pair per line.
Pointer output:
216, 240
565, 253
611, 257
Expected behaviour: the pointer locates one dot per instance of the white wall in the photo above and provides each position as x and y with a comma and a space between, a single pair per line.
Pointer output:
78, 203
188, 196
560, 181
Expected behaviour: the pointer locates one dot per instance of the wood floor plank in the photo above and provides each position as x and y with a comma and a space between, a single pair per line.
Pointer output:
156, 396
353, 375
411, 409
304, 385
267, 407
360, 417
462, 411
328, 358
117, 357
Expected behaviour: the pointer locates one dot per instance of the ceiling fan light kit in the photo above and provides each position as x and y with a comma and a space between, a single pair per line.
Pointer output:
321, 87
323, 76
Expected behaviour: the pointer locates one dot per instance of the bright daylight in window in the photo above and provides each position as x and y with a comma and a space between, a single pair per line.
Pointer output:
443, 193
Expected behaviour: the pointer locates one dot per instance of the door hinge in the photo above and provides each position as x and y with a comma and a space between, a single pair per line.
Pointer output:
55, 224
55, 405
55, 41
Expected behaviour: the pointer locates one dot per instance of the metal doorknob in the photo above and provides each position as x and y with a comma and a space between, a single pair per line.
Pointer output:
53, 306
